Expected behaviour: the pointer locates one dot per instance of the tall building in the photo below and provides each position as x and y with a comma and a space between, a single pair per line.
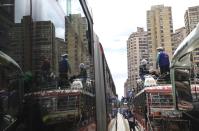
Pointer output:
76, 40
178, 37
31, 42
160, 29
125, 88
60, 49
20, 45
137, 49
191, 19
6, 22
61, 45
43, 45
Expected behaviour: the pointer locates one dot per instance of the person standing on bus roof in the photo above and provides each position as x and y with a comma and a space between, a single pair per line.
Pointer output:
83, 72
162, 61
64, 68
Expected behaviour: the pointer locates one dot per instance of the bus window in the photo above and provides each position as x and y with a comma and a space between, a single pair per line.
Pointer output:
183, 90
10, 91
38, 33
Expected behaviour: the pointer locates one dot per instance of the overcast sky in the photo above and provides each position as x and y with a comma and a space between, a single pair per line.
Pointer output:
115, 20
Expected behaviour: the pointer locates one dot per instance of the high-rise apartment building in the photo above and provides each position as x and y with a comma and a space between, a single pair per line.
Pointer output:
160, 29
76, 40
60, 48
191, 19
178, 37
43, 45
6, 22
61, 45
32, 42
125, 88
137, 49
20, 45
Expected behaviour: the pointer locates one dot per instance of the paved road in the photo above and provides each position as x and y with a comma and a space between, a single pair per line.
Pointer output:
120, 125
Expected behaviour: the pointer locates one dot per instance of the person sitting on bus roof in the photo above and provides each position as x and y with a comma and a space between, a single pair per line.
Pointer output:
143, 69
83, 72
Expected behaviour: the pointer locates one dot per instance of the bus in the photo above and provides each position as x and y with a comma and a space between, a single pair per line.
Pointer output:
195, 92
184, 78
34, 33
154, 110
11, 92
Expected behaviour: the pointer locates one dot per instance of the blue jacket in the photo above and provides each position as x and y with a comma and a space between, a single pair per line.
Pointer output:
163, 59
64, 66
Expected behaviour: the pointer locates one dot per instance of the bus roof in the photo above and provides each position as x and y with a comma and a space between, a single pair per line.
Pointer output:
156, 89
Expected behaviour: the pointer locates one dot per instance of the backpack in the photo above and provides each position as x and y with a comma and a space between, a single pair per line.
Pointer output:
63, 66
163, 59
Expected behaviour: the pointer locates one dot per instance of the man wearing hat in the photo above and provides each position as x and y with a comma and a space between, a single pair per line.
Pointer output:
162, 60
64, 68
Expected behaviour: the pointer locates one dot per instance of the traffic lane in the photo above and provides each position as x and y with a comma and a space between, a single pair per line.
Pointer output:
112, 125
127, 125
120, 125
123, 124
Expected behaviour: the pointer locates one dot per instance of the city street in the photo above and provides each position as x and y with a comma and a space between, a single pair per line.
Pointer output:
93, 65
120, 125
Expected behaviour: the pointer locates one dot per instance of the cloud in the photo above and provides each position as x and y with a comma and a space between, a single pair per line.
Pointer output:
21, 9
42, 11
117, 62
120, 87
62, 4
60, 32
